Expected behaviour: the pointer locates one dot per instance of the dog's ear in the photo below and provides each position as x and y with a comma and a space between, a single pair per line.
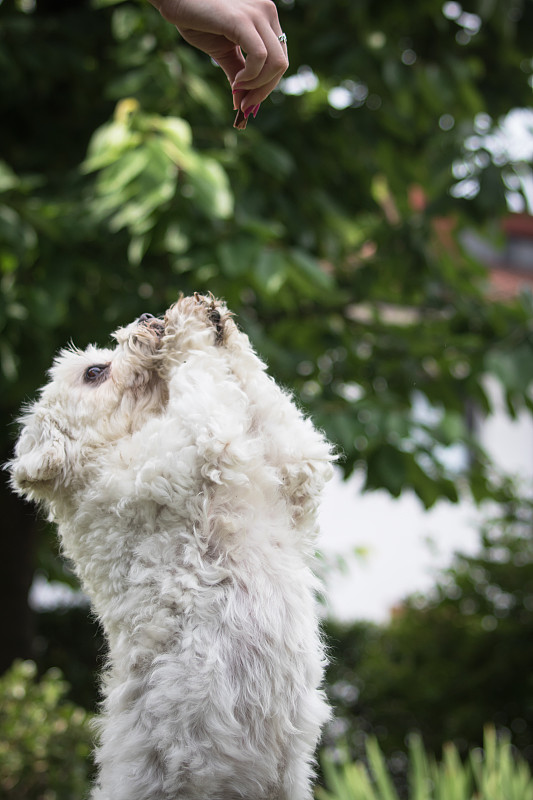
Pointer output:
40, 455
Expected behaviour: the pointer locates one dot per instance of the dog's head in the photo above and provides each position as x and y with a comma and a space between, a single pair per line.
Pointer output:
95, 397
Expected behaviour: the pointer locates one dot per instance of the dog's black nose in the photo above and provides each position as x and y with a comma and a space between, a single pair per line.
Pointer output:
144, 317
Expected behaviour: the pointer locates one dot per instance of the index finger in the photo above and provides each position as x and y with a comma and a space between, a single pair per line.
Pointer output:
275, 65
252, 43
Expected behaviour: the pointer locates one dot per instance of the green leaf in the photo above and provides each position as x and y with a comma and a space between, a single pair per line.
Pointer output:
175, 130
238, 257
386, 790
8, 179
387, 467
211, 187
115, 177
309, 273
138, 246
271, 270
108, 143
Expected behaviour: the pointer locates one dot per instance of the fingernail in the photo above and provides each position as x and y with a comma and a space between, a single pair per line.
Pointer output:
249, 111
256, 109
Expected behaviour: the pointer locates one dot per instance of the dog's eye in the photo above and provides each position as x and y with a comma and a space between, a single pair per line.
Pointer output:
96, 374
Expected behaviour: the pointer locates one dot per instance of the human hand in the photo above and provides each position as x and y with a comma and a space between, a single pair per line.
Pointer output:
228, 29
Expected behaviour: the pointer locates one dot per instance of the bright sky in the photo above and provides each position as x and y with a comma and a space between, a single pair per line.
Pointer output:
405, 545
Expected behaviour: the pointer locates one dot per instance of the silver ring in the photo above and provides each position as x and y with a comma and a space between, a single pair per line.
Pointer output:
282, 38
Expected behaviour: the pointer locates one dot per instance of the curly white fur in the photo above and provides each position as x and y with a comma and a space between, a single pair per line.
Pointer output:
185, 485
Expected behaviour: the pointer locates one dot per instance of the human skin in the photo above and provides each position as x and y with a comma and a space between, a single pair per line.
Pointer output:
241, 36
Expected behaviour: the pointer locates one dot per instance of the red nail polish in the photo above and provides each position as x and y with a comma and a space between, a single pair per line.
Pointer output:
248, 111
256, 109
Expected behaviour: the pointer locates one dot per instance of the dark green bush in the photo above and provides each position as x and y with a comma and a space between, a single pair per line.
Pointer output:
45, 741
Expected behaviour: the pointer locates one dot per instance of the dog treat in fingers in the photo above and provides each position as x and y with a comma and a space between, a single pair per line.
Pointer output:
240, 120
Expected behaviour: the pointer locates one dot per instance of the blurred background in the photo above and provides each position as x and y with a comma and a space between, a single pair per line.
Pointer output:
372, 230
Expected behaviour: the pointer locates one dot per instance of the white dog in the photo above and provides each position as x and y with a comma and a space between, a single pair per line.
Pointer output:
185, 484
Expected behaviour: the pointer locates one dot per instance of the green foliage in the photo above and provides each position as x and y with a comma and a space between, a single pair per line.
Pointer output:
490, 774
123, 183
448, 663
306, 223
44, 740
139, 158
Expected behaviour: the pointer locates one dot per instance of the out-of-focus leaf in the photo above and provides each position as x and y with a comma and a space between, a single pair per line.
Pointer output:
176, 130
108, 143
8, 179
211, 188
121, 172
387, 467
237, 258
271, 270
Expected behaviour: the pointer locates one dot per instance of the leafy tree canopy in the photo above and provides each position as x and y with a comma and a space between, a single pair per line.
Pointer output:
124, 183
